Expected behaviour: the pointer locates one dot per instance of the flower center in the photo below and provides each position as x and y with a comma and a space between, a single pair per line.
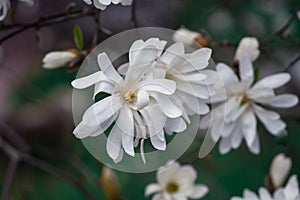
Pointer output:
244, 100
130, 96
172, 187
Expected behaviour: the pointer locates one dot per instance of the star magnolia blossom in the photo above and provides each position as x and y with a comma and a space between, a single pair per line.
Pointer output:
290, 192
102, 4
129, 97
176, 182
245, 100
194, 84
5, 5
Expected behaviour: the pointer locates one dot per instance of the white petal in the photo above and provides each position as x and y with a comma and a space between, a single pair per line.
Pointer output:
255, 147
284, 101
165, 173
103, 87
199, 191
102, 110
123, 69
168, 105
126, 125
99, 5
273, 81
107, 68
158, 141
142, 99
236, 137
126, 2
177, 125
104, 2
264, 194
225, 145
274, 125
162, 86
246, 70
291, 190
249, 195
227, 74
280, 168
172, 52
249, 127
114, 142
261, 95
152, 188
82, 130
193, 89
87, 81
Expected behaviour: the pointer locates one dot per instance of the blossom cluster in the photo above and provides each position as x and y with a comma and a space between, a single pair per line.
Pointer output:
155, 92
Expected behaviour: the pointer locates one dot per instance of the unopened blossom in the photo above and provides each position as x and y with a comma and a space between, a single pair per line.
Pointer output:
248, 46
244, 103
5, 6
190, 38
56, 59
125, 106
176, 182
289, 192
279, 169
102, 4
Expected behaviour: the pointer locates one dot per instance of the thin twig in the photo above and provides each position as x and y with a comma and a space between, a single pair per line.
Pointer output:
10, 175
279, 32
133, 14
292, 63
16, 156
50, 20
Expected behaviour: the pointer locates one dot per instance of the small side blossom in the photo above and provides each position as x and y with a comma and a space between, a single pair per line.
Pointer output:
5, 6
190, 38
56, 59
102, 4
289, 192
279, 170
248, 46
244, 102
176, 182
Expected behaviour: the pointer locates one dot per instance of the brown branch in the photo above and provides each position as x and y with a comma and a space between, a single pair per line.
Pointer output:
133, 14
16, 156
47, 21
292, 63
279, 32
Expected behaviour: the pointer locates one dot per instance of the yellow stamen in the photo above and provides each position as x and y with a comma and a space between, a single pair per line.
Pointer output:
172, 187
130, 96
244, 100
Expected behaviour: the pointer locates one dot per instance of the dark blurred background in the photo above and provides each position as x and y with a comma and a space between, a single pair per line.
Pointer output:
35, 103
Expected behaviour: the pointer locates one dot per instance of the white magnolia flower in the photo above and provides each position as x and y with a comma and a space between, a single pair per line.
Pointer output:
244, 101
194, 84
176, 182
129, 97
290, 192
57, 59
102, 4
5, 5
280, 168
248, 46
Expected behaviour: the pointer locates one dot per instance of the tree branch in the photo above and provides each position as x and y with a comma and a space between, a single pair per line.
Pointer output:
47, 21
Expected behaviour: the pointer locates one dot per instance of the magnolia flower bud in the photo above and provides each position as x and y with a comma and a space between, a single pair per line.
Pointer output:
190, 38
58, 59
248, 46
110, 184
279, 170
